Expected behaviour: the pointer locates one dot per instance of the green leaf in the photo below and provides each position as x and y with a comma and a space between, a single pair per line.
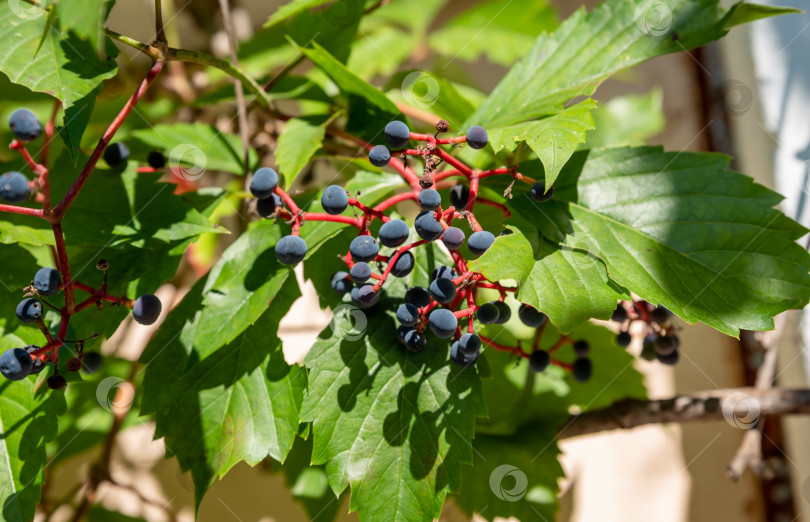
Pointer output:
199, 146
85, 18
65, 67
682, 230
501, 30
589, 47
627, 120
28, 419
553, 139
392, 424
514, 476
291, 9
128, 209
301, 139
240, 404
308, 484
14, 233
525, 398
367, 105
743, 13
246, 280
570, 286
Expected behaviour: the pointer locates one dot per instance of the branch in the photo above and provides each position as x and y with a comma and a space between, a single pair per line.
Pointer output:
732, 404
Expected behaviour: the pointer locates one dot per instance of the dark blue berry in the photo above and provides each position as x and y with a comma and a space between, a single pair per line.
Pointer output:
46, 281
477, 137
394, 233
25, 125
582, 348
360, 272
38, 365
429, 199
13, 187
453, 238
397, 134
403, 265
504, 312
469, 344
417, 296
582, 369
156, 160
480, 242
671, 359
367, 296
619, 314
624, 339
407, 314
363, 248
16, 364
539, 361
488, 313
116, 154
427, 227
334, 200
459, 194
29, 310
461, 359
263, 182
539, 192
379, 156
290, 250
443, 272
443, 323
414, 340
340, 282
267, 207
442, 290
531, 316
146, 309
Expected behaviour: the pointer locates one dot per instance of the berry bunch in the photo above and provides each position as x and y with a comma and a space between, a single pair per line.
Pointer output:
451, 295
18, 363
660, 341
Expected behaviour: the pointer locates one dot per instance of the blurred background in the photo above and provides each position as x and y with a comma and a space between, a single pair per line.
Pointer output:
747, 96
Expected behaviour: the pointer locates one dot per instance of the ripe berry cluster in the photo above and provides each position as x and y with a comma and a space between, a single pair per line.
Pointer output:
451, 295
18, 363
660, 341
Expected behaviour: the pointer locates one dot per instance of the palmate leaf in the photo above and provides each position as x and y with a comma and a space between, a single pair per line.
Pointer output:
682, 230
198, 146
582, 52
568, 285
64, 66
368, 107
241, 403
501, 30
28, 419
301, 139
553, 139
589, 47
392, 424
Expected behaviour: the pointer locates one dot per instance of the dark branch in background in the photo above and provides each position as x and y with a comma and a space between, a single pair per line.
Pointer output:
749, 454
696, 407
